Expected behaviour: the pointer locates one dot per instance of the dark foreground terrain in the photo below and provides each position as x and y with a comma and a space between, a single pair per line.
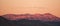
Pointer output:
25, 22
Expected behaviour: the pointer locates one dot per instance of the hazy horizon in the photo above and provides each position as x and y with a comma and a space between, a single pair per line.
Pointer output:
30, 6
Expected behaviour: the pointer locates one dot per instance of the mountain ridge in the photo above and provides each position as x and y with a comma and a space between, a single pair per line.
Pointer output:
42, 17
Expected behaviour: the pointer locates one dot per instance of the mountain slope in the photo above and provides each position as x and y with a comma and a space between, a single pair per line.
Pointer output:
42, 17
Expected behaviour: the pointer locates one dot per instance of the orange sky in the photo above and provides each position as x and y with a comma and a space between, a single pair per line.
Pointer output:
30, 6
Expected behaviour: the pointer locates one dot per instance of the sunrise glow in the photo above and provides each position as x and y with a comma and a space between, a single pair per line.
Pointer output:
30, 6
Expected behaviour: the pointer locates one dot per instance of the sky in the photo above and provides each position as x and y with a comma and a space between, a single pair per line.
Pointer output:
30, 6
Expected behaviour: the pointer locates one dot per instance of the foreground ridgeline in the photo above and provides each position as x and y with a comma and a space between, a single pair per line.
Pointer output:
29, 20
41, 17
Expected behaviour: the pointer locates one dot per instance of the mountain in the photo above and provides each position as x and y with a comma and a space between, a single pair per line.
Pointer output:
25, 22
46, 19
51, 17
42, 17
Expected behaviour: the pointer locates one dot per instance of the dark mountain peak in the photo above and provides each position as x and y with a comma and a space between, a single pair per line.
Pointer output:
51, 17
47, 14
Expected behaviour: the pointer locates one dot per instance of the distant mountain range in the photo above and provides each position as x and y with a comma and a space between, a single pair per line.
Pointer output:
46, 19
42, 17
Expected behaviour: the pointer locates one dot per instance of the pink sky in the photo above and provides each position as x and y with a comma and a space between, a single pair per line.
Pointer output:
30, 6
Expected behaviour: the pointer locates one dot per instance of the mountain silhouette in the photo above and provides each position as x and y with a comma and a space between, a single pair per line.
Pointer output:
42, 17
46, 19
51, 17
26, 22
